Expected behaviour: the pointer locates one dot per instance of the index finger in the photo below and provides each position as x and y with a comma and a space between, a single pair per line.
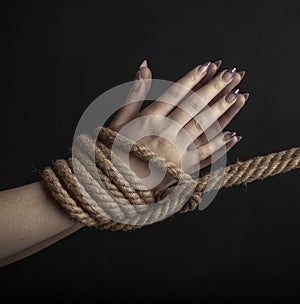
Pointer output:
173, 95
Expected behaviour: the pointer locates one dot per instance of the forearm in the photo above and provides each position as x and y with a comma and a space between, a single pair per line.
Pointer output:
30, 221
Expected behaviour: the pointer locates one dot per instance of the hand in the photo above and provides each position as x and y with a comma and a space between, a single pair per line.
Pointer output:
202, 115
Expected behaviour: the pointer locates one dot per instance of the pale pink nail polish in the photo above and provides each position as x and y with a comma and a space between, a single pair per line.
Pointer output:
246, 95
232, 96
228, 136
229, 74
144, 64
203, 68
242, 73
218, 63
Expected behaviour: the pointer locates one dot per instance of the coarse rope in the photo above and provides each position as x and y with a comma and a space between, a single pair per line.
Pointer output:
104, 192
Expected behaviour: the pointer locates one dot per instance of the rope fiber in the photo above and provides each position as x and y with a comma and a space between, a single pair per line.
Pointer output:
107, 194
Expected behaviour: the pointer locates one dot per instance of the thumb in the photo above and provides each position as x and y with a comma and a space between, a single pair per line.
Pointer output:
146, 73
135, 98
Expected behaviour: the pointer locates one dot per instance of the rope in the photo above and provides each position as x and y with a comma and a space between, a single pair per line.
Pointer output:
107, 194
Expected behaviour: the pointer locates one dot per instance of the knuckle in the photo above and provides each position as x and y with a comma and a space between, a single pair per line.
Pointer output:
194, 104
218, 84
216, 127
196, 126
192, 77
175, 91
199, 141
203, 152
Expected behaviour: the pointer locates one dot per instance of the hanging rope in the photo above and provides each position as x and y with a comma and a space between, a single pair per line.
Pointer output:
121, 202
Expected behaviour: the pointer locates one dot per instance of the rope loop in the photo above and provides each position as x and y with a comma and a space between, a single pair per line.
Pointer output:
121, 201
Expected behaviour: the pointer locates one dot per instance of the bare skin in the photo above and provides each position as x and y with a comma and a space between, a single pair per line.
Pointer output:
31, 221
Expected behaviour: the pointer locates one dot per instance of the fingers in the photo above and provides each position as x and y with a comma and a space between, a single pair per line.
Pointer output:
235, 81
216, 85
226, 118
209, 75
172, 96
135, 98
223, 121
216, 154
192, 105
201, 122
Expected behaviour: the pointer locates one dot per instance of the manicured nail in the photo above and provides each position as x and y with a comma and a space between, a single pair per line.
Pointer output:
229, 135
218, 63
144, 64
137, 80
246, 95
239, 138
242, 73
232, 95
203, 68
228, 75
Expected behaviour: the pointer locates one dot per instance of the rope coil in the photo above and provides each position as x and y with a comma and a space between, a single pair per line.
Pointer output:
121, 202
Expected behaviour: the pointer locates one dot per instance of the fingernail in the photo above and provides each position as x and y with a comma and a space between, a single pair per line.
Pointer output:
242, 73
229, 135
246, 95
218, 63
137, 80
203, 68
232, 95
228, 75
239, 138
144, 64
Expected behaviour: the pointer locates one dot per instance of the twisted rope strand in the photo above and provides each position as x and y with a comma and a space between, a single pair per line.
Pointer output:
122, 202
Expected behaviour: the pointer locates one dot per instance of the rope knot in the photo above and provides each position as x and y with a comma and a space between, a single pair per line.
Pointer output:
97, 189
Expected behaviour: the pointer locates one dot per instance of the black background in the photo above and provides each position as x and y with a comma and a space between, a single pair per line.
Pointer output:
58, 56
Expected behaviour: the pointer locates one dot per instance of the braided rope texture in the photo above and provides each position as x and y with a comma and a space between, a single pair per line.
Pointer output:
106, 194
